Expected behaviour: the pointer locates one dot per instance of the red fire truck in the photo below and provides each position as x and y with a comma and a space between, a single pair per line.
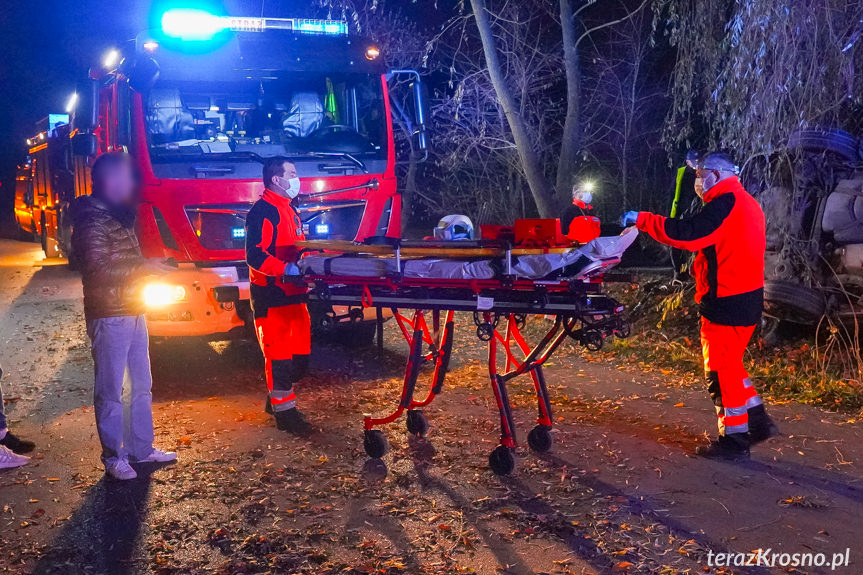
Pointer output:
200, 103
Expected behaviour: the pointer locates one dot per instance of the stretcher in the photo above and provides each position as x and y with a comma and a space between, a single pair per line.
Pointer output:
499, 286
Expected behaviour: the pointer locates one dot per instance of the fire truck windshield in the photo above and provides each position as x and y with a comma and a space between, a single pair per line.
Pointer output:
297, 115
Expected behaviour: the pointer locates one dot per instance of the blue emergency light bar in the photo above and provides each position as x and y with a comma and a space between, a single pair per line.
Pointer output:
199, 25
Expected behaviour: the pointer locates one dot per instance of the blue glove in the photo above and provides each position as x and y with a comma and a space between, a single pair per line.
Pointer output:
292, 270
629, 219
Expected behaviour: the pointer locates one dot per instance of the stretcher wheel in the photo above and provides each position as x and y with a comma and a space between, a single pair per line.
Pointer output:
592, 340
375, 443
417, 423
501, 460
539, 438
623, 330
485, 331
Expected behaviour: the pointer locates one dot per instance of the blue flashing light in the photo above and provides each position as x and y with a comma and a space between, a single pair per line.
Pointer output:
238, 233
322, 229
329, 27
192, 24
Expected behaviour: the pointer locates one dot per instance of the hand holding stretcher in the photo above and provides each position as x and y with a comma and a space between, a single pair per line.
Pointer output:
500, 285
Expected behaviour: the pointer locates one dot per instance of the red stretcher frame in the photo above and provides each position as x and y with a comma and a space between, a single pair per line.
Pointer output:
580, 311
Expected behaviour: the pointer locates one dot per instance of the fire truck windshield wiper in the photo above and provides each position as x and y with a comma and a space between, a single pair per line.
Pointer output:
350, 157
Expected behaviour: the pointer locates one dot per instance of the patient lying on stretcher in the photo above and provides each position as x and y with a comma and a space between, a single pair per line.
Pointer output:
590, 259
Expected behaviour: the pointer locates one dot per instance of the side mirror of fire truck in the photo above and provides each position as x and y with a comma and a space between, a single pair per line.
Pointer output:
85, 144
416, 119
142, 72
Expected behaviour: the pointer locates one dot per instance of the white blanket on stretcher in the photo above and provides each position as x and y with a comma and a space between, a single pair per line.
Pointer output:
600, 254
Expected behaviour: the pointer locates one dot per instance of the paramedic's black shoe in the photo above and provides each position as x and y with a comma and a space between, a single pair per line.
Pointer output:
761, 427
733, 447
16, 444
268, 407
292, 421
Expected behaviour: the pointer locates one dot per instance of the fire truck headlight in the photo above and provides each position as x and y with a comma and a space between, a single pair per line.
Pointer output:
159, 294
191, 24
372, 53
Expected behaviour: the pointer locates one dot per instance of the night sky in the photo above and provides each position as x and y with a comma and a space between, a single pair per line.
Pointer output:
48, 46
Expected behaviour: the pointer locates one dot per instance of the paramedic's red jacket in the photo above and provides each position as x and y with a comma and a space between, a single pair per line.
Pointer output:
728, 234
272, 229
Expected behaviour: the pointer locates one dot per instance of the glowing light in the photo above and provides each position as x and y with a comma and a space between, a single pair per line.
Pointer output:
322, 229
112, 57
319, 185
191, 24
372, 52
238, 233
151, 45
162, 294
332, 27
72, 102
587, 186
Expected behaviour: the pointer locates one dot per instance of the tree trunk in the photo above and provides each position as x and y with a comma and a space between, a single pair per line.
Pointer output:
542, 192
571, 141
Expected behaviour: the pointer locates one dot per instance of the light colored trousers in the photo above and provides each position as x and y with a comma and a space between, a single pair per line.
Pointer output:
120, 347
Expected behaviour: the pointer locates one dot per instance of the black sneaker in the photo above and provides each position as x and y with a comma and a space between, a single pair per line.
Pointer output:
732, 447
268, 407
16, 444
292, 421
761, 427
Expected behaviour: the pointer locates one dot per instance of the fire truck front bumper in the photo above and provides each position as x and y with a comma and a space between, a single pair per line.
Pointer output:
199, 301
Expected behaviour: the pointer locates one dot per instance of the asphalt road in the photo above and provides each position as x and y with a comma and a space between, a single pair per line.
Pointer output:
618, 493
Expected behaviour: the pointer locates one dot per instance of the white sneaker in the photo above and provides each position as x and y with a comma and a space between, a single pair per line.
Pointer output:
120, 469
9, 459
159, 456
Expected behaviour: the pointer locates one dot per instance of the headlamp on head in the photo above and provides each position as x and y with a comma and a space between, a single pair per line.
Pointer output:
719, 161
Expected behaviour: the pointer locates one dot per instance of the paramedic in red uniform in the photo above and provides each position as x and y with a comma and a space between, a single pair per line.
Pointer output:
282, 319
729, 238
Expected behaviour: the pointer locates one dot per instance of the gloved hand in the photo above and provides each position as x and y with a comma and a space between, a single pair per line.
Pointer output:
629, 219
292, 270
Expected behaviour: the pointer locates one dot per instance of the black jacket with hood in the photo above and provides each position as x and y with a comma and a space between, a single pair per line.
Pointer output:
107, 253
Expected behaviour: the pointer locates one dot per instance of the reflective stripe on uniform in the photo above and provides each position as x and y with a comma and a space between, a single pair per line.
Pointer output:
753, 401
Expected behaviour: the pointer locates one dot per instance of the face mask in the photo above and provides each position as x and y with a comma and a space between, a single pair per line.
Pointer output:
708, 181
286, 187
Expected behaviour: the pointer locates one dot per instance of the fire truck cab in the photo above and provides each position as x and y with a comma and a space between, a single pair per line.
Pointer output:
200, 103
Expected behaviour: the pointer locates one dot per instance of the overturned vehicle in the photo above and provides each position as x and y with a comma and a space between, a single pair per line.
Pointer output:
812, 195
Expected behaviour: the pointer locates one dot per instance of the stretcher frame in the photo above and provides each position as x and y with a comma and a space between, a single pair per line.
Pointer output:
579, 308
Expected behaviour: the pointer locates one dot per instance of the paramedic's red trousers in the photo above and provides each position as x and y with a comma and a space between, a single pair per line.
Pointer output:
283, 333
730, 388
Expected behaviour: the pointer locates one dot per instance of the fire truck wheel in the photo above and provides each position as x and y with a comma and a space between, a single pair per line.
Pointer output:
501, 460
417, 423
49, 246
539, 438
375, 443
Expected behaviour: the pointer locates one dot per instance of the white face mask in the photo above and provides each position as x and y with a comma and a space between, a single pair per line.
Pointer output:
287, 187
708, 181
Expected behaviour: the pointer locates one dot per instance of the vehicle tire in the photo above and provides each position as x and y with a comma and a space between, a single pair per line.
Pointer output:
792, 302
838, 142
539, 438
501, 460
417, 423
49, 246
375, 443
